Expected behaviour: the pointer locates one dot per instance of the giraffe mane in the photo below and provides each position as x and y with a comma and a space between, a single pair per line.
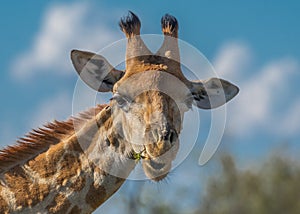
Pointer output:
39, 140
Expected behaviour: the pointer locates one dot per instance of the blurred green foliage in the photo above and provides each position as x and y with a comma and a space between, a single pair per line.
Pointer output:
272, 187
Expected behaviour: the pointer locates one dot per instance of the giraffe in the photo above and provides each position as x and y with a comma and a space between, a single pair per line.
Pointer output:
57, 169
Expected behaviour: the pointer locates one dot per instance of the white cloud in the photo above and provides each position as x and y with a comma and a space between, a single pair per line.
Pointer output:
64, 27
291, 121
58, 107
231, 59
256, 106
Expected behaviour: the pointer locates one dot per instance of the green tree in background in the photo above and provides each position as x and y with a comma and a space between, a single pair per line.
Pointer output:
274, 187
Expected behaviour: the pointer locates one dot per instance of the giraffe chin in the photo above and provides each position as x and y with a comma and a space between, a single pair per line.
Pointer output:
155, 169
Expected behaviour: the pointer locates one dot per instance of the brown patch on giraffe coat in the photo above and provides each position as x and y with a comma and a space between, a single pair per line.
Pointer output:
60, 204
78, 184
46, 167
118, 145
75, 146
44, 192
68, 167
96, 196
75, 210
29, 193
108, 124
114, 142
113, 138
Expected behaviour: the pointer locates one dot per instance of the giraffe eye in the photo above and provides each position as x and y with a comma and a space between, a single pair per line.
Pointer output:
122, 102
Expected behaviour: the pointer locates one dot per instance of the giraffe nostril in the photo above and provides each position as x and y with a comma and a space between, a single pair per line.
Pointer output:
173, 136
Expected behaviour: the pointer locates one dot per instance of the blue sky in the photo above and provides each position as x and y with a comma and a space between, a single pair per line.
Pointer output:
254, 44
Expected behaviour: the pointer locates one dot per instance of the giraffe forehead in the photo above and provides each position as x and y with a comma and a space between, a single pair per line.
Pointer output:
155, 101
152, 80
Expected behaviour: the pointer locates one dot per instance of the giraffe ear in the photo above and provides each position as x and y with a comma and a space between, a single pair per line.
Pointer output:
95, 70
212, 93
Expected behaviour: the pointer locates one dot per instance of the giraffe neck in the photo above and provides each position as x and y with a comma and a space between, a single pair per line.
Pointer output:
74, 176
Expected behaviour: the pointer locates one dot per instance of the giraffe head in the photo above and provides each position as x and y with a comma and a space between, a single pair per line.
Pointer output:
151, 96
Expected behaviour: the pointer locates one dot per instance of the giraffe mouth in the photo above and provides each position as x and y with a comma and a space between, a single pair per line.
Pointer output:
157, 167
156, 159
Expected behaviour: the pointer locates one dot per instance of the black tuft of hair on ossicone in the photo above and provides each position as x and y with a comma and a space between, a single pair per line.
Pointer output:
130, 24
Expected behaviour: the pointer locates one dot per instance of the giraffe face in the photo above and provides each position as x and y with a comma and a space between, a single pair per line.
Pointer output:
151, 114
152, 94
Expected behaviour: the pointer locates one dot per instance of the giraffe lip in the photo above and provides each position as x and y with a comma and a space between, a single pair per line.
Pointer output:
156, 165
155, 169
